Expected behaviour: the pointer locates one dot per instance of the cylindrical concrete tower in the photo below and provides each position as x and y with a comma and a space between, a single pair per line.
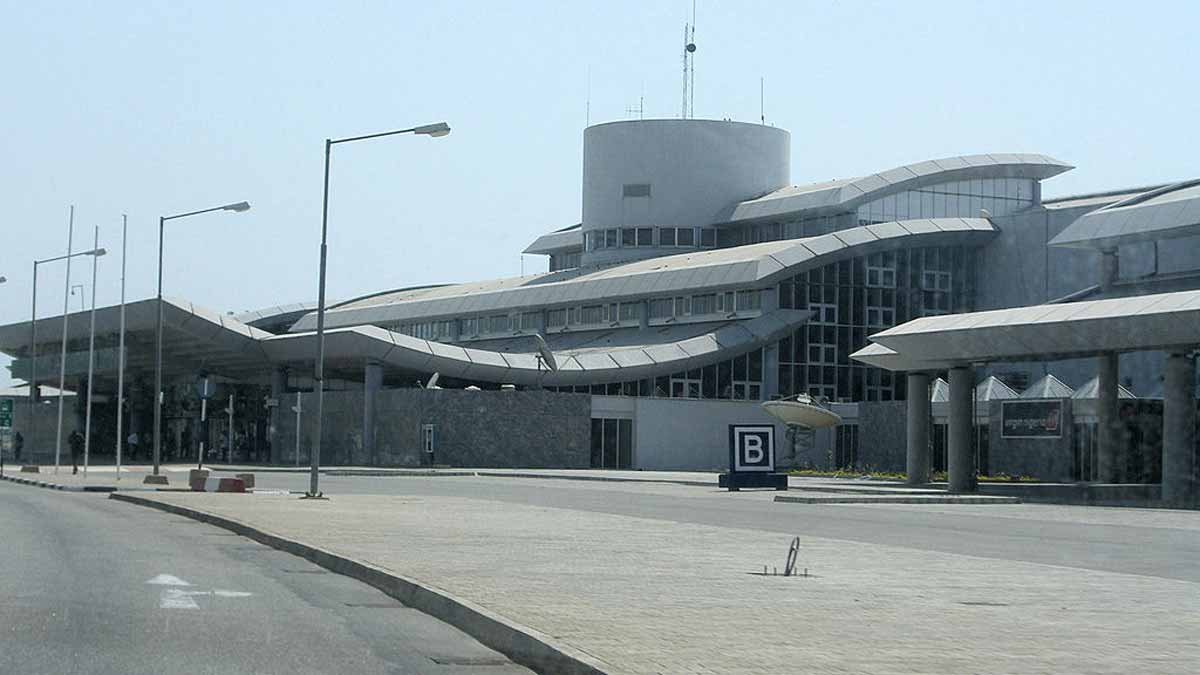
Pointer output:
641, 177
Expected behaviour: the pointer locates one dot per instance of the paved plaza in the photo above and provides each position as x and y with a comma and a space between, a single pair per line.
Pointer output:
669, 595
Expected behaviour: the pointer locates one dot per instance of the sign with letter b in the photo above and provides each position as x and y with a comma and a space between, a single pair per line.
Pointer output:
752, 447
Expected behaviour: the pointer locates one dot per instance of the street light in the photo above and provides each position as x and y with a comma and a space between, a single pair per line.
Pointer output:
433, 130
238, 207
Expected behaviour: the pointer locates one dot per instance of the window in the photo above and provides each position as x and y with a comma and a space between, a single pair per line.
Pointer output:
610, 238
666, 236
589, 241
627, 236
498, 324
933, 280
531, 320
593, 314
469, 326
881, 270
708, 237
556, 318
662, 308
823, 312
683, 306
645, 236
635, 190
686, 236
704, 304
749, 301
612, 444
629, 311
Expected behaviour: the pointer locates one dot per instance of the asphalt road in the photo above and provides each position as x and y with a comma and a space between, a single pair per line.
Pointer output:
76, 597
1152, 551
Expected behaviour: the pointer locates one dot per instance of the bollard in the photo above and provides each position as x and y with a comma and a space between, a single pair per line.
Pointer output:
196, 479
231, 485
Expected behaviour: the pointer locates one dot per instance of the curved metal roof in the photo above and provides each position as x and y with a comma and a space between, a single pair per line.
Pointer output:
574, 367
558, 240
1165, 213
850, 193
755, 265
1041, 332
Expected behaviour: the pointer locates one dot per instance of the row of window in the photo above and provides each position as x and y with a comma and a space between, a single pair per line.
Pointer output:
660, 310
565, 261
638, 237
733, 379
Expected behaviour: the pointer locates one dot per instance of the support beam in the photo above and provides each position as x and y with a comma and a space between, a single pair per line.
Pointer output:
1179, 428
372, 383
1110, 269
960, 456
917, 454
1109, 431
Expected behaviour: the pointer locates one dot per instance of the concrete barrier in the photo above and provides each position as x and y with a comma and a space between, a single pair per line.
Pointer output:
151, 479
197, 479
230, 485
31, 469
247, 478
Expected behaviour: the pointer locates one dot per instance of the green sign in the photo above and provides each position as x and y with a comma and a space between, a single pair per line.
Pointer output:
6, 408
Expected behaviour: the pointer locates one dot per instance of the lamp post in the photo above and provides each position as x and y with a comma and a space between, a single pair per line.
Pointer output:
158, 392
433, 130
33, 385
87, 425
121, 349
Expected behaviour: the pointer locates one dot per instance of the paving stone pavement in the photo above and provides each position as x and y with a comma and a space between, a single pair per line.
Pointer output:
652, 596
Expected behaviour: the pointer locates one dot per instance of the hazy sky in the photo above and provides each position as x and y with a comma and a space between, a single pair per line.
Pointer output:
153, 108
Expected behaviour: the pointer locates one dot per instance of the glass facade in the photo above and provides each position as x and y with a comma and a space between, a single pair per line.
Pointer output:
962, 199
739, 378
852, 299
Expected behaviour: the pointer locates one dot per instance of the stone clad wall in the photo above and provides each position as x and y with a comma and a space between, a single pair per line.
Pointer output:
882, 439
527, 429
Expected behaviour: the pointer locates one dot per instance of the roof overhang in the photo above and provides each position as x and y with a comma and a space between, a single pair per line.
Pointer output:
1165, 213
1040, 332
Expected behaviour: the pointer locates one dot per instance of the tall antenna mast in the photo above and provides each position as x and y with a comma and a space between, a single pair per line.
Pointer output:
689, 72
762, 110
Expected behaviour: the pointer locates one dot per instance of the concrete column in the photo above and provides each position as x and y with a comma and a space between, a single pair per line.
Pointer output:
1108, 425
770, 371
372, 382
917, 455
960, 457
1179, 426
279, 378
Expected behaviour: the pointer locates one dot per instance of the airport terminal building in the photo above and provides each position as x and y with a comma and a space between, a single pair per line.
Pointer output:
699, 282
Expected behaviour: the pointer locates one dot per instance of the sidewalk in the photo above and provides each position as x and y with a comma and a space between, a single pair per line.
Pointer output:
652, 596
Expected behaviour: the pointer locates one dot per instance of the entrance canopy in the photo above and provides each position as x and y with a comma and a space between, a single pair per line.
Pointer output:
1042, 332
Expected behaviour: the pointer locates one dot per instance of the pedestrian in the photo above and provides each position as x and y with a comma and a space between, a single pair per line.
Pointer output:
132, 441
18, 443
75, 440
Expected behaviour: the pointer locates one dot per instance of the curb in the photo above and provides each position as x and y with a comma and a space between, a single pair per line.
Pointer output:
58, 486
930, 499
522, 644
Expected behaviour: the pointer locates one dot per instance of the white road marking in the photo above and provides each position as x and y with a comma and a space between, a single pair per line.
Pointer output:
173, 598
167, 580
232, 594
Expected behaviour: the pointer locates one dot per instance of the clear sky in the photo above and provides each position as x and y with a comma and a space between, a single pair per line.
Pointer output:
150, 108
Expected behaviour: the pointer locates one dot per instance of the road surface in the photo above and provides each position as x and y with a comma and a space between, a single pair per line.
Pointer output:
90, 585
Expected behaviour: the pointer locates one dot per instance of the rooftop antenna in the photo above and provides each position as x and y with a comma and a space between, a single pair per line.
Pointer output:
762, 114
689, 71
587, 115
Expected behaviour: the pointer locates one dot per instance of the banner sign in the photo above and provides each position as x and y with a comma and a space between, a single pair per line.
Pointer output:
1031, 419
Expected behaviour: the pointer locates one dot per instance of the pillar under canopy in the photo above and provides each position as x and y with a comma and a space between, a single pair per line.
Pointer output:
372, 383
917, 452
960, 456
1179, 428
1109, 431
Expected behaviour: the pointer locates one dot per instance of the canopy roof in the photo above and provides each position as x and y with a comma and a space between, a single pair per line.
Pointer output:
1164, 213
751, 266
1039, 332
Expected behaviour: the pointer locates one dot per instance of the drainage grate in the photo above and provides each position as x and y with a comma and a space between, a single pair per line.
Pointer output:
983, 603
304, 571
